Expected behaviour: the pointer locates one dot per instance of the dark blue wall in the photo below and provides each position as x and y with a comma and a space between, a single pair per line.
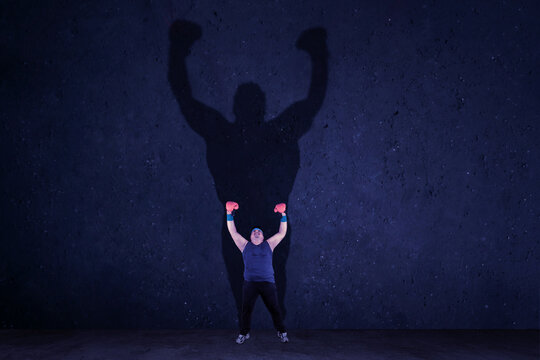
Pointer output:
408, 170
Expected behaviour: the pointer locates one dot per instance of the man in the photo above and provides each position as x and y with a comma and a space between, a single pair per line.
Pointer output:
250, 145
258, 272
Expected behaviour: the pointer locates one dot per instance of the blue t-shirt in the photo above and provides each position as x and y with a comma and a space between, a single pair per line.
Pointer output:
258, 262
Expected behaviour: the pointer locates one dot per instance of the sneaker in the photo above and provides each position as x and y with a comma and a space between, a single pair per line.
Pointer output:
283, 337
241, 338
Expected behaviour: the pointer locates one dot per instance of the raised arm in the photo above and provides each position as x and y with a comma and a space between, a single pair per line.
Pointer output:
201, 118
238, 239
276, 239
297, 118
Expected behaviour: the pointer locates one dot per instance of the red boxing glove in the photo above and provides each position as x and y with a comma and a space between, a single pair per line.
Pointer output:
280, 208
231, 205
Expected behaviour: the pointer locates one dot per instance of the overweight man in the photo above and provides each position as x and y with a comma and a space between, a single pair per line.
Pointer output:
258, 272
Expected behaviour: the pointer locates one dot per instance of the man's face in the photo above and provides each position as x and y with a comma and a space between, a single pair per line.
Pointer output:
257, 235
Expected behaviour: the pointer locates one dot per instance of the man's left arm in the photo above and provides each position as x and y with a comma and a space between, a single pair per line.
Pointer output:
276, 239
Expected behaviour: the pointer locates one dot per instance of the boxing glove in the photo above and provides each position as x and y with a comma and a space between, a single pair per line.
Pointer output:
231, 205
280, 208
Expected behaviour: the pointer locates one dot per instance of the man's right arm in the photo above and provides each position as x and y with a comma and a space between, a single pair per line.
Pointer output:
238, 239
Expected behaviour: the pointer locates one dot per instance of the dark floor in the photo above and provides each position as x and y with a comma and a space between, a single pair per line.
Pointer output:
264, 344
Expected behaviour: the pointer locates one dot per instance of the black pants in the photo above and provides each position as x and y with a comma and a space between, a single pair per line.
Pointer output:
268, 292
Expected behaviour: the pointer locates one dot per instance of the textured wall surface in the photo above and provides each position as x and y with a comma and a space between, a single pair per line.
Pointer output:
407, 157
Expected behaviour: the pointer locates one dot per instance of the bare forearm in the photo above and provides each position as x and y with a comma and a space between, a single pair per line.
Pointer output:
230, 225
283, 226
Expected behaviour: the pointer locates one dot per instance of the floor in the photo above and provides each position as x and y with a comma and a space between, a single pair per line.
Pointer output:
264, 344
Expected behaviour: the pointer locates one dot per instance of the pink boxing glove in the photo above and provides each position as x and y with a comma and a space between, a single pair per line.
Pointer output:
231, 205
280, 208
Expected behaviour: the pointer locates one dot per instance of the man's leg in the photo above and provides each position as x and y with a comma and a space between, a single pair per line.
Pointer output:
270, 298
249, 295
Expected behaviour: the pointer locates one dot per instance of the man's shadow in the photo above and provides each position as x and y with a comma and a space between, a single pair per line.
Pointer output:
253, 162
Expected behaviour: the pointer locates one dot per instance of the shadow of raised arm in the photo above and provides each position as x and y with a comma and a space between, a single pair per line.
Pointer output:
201, 118
298, 117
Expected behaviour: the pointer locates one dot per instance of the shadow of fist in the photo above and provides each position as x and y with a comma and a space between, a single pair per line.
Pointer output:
313, 41
183, 34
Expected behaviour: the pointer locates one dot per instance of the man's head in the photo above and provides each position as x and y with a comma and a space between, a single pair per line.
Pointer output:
257, 235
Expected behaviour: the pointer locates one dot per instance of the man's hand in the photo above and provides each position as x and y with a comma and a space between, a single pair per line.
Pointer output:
313, 41
280, 208
183, 34
231, 205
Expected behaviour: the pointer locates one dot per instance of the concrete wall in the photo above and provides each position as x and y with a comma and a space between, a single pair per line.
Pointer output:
408, 170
